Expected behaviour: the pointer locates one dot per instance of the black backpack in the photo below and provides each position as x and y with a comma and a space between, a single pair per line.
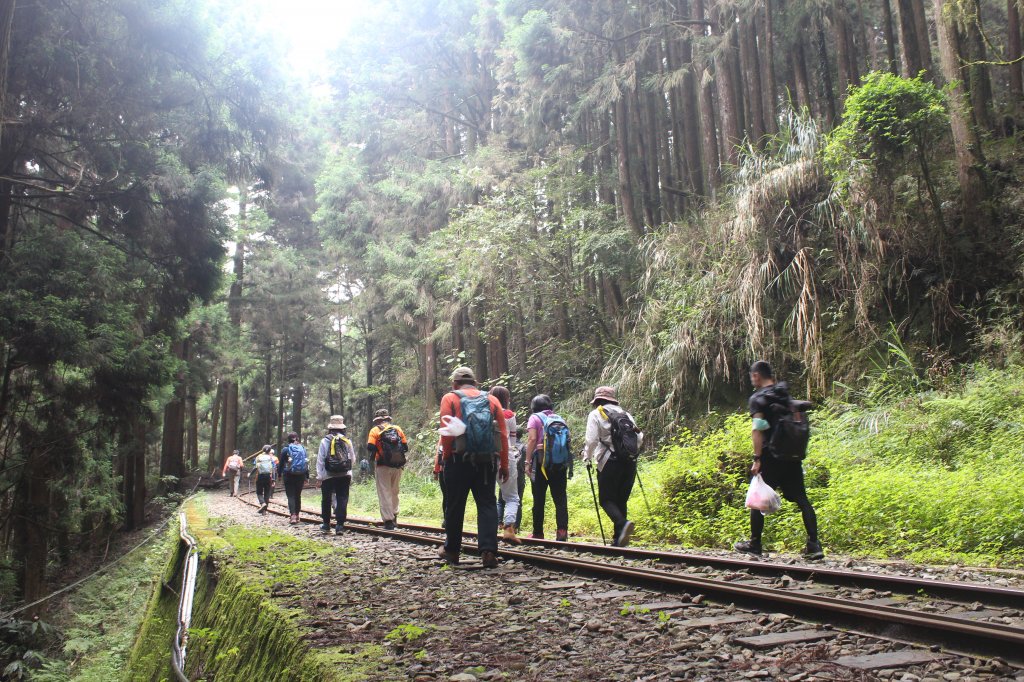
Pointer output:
390, 448
339, 456
791, 430
625, 443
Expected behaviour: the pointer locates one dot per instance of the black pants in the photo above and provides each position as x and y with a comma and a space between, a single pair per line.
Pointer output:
293, 490
556, 482
521, 487
614, 486
335, 489
263, 488
788, 480
444, 494
461, 478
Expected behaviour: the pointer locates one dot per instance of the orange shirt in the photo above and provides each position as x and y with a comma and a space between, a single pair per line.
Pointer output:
374, 437
450, 406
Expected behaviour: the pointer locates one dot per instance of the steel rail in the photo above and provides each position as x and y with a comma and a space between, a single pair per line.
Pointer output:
948, 589
949, 632
185, 599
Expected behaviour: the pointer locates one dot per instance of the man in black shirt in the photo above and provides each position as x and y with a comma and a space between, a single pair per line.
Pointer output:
787, 477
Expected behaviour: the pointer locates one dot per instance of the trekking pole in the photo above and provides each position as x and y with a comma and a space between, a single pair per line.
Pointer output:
597, 510
644, 492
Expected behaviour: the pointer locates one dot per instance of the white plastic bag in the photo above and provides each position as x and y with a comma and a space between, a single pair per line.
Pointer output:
452, 426
762, 497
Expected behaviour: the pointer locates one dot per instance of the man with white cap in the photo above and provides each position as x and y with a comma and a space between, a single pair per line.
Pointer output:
613, 441
334, 473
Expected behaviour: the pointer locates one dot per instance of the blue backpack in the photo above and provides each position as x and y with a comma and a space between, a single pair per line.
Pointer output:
298, 462
480, 445
556, 441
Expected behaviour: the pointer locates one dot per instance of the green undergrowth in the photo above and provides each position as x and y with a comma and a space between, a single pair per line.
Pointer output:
901, 470
238, 631
100, 619
922, 474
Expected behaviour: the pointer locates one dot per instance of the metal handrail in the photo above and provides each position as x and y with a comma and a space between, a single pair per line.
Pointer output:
188, 586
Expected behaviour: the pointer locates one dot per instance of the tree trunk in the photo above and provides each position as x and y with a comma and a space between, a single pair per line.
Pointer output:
709, 134
754, 90
193, 432
924, 43
134, 471
299, 389
731, 133
801, 77
892, 65
913, 61
1013, 53
965, 137
215, 458
825, 70
977, 71
268, 397
6, 22
172, 444
32, 527
622, 152
768, 66
230, 417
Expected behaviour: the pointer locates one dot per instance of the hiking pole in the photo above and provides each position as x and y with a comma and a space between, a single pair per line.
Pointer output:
644, 492
597, 510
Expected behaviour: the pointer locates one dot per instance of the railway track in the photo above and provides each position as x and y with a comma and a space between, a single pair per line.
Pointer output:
961, 632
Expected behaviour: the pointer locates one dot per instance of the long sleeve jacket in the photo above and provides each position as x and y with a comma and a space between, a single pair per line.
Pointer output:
321, 460
597, 446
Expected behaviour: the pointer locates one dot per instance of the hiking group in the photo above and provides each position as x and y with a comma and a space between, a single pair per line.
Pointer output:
481, 449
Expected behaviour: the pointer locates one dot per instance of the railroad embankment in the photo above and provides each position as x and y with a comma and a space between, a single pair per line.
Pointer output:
241, 629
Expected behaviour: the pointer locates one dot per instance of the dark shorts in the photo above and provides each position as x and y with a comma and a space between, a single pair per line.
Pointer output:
787, 478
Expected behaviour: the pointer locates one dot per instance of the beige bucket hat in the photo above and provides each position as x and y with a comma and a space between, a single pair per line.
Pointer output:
336, 422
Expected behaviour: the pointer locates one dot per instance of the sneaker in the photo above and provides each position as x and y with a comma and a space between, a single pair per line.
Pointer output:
509, 535
263, 508
562, 535
339, 529
389, 525
489, 559
748, 547
813, 551
326, 528
450, 558
627, 531
536, 536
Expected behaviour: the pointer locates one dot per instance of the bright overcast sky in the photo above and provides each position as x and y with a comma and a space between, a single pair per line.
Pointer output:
310, 27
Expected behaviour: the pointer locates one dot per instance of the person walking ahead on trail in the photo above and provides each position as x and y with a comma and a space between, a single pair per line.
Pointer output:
470, 463
549, 464
263, 469
613, 441
508, 491
295, 471
233, 471
786, 476
387, 445
334, 473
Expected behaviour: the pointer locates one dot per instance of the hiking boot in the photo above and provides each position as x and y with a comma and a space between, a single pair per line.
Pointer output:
450, 558
509, 535
489, 559
562, 535
339, 529
748, 547
389, 525
536, 536
326, 527
622, 540
813, 551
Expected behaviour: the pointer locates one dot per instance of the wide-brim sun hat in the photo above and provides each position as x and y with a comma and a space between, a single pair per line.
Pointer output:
605, 393
463, 374
336, 422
